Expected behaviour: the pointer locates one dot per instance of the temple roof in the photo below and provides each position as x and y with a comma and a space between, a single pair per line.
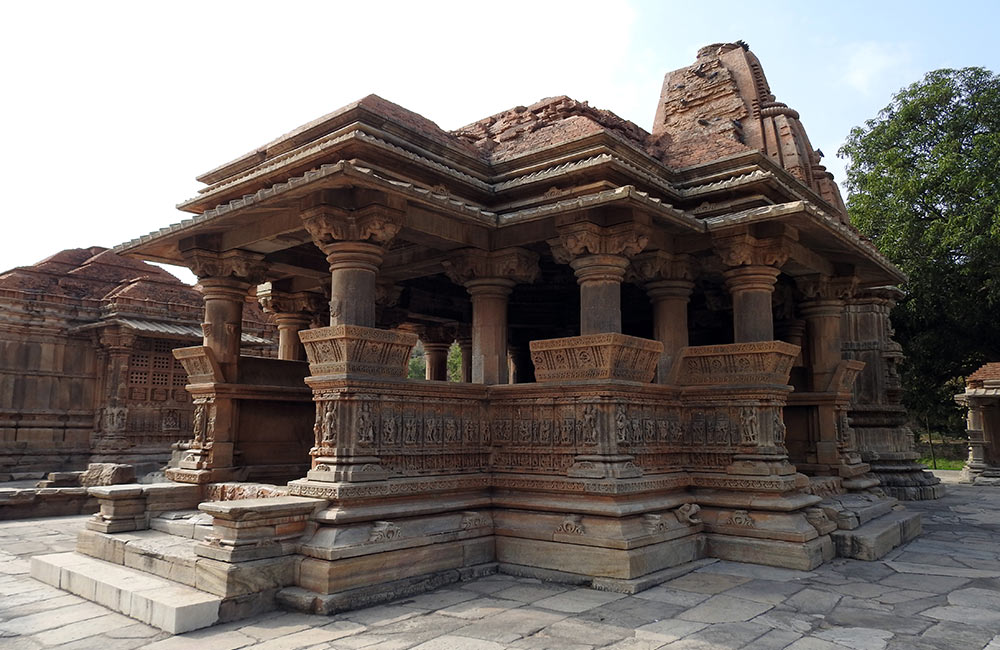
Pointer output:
723, 154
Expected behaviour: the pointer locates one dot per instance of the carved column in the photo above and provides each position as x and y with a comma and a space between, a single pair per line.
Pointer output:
292, 313
354, 242
489, 278
668, 280
225, 278
437, 341
752, 267
822, 308
599, 257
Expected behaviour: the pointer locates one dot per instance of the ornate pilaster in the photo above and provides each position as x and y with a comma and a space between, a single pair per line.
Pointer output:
669, 281
292, 313
116, 345
752, 268
489, 278
822, 306
599, 257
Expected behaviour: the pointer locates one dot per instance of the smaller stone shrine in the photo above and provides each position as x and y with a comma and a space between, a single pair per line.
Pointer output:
86, 366
982, 398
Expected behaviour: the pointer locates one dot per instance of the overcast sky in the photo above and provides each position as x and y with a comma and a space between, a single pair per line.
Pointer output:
110, 109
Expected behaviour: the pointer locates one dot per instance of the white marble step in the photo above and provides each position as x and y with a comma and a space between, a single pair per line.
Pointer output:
156, 601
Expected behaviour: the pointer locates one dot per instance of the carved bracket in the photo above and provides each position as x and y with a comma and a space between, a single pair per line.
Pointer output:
516, 264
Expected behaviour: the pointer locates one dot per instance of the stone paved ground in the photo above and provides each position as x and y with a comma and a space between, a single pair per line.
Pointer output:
940, 591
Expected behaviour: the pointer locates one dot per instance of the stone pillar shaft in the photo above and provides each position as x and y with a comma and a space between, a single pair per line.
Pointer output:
823, 329
222, 327
751, 288
670, 300
600, 279
289, 345
465, 346
489, 329
436, 360
353, 270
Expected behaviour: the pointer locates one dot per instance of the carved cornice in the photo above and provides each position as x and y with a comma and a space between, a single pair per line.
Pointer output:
818, 286
374, 224
747, 250
515, 264
587, 238
654, 266
236, 264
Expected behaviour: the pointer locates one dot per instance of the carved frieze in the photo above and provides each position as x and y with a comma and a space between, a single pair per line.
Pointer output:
766, 362
342, 349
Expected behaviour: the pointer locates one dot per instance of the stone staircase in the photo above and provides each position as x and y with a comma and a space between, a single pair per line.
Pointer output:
154, 575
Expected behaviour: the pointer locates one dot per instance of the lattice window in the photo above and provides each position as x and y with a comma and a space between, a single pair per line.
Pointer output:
154, 375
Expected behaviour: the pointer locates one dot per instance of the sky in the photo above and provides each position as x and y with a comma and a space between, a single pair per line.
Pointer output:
109, 110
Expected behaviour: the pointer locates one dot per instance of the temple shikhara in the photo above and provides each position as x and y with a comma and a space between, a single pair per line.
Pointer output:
674, 346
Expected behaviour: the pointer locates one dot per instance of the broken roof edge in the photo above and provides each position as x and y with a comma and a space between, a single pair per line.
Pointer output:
310, 131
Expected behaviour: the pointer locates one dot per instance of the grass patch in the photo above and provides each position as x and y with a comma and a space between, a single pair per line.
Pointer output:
942, 463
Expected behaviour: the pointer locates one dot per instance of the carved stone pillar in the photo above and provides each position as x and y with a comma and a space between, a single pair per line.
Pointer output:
489, 278
668, 280
822, 308
437, 341
354, 242
292, 313
599, 257
752, 267
225, 279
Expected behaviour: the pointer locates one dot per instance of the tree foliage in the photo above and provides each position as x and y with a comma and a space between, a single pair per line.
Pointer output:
924, 185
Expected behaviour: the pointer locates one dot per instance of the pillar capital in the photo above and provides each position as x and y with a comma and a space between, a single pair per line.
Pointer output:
819, 287
236, 266
585, 238
278, 302
599, 268
329, 225
755, 277
656, 266
746, 250
475, 268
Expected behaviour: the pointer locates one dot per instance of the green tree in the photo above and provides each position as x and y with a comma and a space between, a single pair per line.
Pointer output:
924, 185
454, 363
418, 365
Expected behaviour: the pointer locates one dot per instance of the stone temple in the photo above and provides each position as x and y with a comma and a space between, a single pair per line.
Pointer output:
675, 346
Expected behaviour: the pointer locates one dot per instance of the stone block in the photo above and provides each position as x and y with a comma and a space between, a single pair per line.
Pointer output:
803, 556
876, 538
237, 579
107, 474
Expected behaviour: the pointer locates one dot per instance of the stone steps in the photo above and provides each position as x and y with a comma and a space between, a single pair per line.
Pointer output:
876, 538
154, 600
160, 554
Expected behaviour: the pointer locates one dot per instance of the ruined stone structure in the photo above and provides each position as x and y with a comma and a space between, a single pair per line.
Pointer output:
86, 365
982, 398
653, 332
